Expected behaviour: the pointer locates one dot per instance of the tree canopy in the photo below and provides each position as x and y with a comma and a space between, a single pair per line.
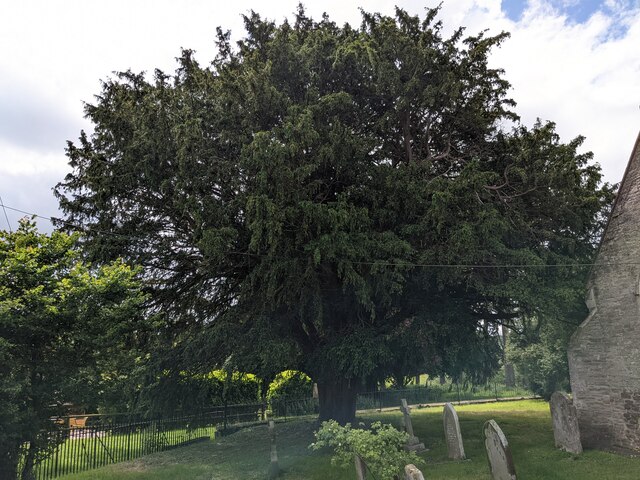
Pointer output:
325, 197
66, 330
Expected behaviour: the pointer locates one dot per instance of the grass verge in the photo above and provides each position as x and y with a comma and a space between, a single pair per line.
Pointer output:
245, 454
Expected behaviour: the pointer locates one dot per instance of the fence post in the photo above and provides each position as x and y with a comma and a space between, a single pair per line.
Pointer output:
130, 434
56, 452
458, 389
224, 416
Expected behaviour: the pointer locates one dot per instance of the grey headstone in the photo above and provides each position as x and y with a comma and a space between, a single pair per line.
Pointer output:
413, 443
315, 391
361, 468
566, 432
452, 433
411, 472
498, 452
509, 375
274, 468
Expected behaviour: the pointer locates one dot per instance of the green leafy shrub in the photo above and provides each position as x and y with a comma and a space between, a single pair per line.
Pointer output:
187, 392
290, 384
290, 394
239, 388
381, 447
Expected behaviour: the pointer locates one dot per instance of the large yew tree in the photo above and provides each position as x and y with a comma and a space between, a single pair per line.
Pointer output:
321, 196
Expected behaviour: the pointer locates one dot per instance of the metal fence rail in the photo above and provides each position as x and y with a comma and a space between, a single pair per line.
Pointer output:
437, 394
85, 442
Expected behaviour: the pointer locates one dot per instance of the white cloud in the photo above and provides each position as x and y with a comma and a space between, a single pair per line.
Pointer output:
575, 74
15, 160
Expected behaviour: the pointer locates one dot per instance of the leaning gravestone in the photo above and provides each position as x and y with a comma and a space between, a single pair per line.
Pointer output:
566, 432
452, 433
413, 443
361, 467
411, 472
498, 452
274, 468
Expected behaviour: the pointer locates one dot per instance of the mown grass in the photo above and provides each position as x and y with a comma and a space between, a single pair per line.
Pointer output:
87, 448
245, 454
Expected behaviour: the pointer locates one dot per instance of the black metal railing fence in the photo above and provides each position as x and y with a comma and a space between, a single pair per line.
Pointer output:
454, 393
84, 442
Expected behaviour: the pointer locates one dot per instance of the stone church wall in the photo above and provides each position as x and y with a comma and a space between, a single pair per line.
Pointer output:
604, 353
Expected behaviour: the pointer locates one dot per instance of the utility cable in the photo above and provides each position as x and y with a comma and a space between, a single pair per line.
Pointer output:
55, 220
5, 215
84, 229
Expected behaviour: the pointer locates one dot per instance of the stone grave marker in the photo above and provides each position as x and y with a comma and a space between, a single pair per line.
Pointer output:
566, 432
509, 375
452, 433
274, 468
498, 452
413, 443
411, 472
361, 468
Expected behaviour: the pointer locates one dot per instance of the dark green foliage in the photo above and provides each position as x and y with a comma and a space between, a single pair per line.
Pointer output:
69, 333
288, 202
291, 393
540, 355
290, 384
189, 393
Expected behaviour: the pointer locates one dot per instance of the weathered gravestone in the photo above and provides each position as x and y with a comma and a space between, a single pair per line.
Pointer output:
274, 468
413, 443
411, 472
498, 452
509, 375
566, 432
361, 468
452, 433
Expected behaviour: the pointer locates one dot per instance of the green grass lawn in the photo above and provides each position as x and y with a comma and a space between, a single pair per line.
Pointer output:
245, 454
87, 448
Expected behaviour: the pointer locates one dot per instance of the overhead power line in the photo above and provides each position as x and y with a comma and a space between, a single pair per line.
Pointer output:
83, 229
55, 220
6, 216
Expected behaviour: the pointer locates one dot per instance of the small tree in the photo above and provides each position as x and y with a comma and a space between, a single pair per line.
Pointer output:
63, 327
540, 353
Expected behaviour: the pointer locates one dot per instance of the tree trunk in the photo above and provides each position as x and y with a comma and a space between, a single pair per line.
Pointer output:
9, 465
27, 471
338, 401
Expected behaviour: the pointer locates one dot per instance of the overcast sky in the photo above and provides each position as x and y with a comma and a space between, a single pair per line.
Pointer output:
571, 61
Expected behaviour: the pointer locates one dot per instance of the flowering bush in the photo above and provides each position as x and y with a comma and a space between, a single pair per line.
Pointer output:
381, 447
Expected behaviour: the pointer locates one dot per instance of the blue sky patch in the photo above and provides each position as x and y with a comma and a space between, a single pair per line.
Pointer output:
578, 11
